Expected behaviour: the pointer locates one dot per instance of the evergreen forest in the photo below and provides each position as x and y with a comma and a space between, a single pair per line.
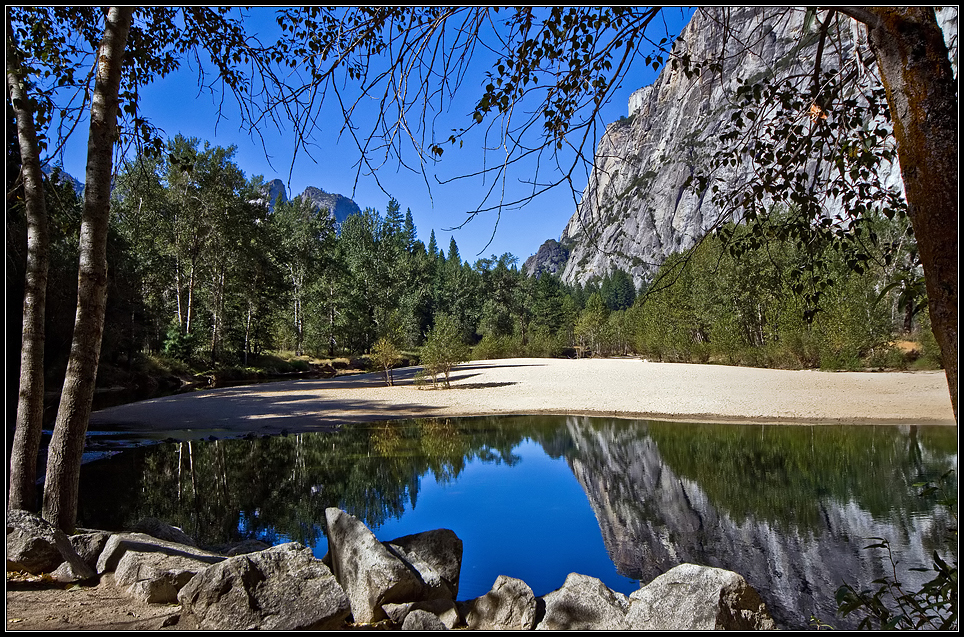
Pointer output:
206, 274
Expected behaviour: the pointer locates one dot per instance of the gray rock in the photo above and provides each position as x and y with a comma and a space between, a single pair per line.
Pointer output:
437, 556
444, 609
370, 573
692, 597
163, 531
89, 545
339, 207
36, 546
422, 620
150, 569
551, 258
281, 588
510, 605
584, 603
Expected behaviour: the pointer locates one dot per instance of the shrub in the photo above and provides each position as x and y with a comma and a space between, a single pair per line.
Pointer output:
179, 345
443, 348
386, 354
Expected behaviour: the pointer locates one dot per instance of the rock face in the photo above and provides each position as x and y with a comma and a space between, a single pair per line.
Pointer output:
550, 258
339, 206
272, 191
636, 210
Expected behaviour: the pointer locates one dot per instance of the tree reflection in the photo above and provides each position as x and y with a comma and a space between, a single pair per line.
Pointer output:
279, 487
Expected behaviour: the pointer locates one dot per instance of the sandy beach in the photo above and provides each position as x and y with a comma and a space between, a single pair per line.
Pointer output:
627, 388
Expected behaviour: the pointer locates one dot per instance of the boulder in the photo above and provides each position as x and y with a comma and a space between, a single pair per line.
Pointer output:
150, 569
437, 556
36, 546
510, 605
163, 531
89, 545
444, 609
584, 603
692, 597
281, 588
422, 620
370, 573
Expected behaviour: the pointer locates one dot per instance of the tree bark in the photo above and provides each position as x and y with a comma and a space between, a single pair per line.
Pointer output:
921, 93
67, 444
30, 408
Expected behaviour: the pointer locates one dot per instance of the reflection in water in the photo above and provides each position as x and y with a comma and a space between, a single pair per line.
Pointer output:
537, 497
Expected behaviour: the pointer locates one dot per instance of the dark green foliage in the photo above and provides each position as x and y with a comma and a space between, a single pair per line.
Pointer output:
755, 307
179, 345
618, 290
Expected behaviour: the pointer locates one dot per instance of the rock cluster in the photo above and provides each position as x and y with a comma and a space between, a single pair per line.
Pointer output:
409, 583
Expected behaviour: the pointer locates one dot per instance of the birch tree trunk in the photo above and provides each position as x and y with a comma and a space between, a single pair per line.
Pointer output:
30, 408
921, 93
67, 443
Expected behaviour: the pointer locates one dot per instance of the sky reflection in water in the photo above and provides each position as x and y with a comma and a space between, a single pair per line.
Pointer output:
540, 497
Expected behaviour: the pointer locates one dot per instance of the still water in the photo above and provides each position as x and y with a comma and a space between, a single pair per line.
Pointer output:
538, 497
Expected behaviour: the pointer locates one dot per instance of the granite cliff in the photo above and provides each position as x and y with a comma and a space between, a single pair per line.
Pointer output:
636, 209
340, 206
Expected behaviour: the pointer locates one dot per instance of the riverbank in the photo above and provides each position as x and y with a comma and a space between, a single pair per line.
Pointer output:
626, 388
613, 387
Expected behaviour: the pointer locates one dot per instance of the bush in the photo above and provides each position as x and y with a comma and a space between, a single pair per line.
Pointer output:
443, 349
179, 345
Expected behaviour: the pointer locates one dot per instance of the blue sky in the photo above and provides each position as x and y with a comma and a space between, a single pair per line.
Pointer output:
174, 105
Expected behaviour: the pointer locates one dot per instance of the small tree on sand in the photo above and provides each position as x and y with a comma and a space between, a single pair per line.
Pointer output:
386, 354
443, 349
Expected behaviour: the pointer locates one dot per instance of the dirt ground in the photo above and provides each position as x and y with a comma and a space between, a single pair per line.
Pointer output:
613, 387
36, 603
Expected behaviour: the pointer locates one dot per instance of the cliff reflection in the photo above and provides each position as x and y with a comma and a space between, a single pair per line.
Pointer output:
789, 508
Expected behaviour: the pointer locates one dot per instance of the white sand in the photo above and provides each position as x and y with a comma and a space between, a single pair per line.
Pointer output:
611, 387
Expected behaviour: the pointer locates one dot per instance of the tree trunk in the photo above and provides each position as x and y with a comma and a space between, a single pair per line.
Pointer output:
922, 97
30, 407
67, 443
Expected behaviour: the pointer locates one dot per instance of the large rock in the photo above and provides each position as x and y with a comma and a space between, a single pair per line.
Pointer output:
163, 531
584, 603
36, 546
437, 556
281, 588
510, 605
370, 573
150, 569
692, 597
89, 545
